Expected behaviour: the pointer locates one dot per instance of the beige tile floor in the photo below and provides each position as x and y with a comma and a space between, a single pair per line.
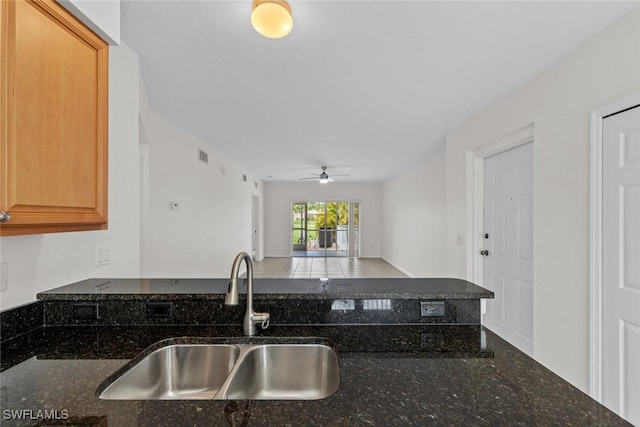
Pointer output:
305, 268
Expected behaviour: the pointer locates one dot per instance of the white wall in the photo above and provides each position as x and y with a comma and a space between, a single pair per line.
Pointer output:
102, 16
44, 261
278, 197
414, 218
558, 101
213, 223
145, 238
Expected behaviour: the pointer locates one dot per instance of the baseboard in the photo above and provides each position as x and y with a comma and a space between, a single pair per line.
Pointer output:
398, 267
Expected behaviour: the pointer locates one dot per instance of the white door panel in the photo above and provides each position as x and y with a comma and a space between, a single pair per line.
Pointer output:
524, 228
524, 326
508, 268
621, 264
498, 211
630, 236
496, 305
630, 372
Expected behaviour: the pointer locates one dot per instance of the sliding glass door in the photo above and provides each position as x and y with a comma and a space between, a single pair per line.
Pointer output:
299, 227
324, 229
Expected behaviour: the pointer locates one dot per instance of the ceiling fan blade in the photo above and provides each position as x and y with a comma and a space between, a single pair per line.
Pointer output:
323, 175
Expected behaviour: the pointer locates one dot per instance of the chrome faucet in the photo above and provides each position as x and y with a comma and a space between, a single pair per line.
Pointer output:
251, 318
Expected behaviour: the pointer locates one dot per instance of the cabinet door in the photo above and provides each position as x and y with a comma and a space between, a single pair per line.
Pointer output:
54, 111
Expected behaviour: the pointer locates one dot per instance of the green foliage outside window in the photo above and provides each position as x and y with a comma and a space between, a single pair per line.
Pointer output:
337, 213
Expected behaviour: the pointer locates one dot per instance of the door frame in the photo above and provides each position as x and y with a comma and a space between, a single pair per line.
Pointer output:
303, 230
595, 239
475, 197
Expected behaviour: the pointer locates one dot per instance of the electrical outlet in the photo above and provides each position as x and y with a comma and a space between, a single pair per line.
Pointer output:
85, 310
159, 309
4, 276
432, 308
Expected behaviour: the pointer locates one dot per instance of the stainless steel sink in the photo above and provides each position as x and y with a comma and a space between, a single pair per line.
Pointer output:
246, 369
182, 371
285, 372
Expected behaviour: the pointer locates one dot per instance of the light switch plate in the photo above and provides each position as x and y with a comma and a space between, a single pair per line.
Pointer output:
103, 257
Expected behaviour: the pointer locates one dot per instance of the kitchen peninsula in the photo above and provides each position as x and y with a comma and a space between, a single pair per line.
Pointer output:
399, 366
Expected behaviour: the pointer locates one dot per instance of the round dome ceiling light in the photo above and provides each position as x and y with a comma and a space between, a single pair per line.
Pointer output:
272, 18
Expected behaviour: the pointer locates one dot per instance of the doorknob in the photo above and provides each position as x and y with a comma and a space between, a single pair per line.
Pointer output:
484, 253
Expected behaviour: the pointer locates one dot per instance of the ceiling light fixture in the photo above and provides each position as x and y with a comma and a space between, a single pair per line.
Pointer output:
272, 18
323, 178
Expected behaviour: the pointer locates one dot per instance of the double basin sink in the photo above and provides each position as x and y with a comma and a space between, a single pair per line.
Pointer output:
233, 368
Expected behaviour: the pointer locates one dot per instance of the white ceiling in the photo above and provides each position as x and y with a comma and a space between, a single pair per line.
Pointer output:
364, 87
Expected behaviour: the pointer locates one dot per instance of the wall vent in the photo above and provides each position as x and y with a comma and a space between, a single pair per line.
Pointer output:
204, 157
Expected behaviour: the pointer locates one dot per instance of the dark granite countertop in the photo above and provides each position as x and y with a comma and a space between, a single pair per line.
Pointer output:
390, 375
268, 289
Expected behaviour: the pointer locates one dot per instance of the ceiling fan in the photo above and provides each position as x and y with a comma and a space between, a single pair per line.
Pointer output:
323, 178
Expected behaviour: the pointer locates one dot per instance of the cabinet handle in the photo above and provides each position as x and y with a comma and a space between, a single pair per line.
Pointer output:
5, 216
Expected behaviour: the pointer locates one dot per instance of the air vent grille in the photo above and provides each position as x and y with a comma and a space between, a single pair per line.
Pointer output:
202, 156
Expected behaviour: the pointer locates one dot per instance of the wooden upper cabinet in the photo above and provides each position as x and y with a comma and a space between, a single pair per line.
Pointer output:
54, 112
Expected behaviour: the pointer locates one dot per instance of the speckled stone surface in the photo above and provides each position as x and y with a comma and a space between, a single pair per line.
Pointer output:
162, 289
387, 378
294, 311
449, 371
20, 320
308, 301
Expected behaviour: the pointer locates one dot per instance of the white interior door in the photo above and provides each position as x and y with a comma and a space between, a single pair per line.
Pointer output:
621, 264
508, 245
255, 227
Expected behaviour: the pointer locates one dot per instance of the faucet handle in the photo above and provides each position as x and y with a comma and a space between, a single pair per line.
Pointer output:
262, 317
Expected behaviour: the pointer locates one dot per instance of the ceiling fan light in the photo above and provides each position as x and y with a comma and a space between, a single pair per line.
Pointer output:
324, 180
272, 18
